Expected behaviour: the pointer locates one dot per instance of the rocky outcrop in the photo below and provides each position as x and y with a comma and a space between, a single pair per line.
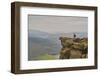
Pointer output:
73, 48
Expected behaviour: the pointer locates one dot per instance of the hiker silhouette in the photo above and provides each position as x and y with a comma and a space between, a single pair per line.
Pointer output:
74, 35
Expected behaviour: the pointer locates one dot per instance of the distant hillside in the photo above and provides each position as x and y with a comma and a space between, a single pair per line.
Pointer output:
46, 43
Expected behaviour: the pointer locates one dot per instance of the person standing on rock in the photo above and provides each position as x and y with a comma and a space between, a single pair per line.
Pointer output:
74, 35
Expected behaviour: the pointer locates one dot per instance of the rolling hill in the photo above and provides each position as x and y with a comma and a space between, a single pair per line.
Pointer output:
40, 42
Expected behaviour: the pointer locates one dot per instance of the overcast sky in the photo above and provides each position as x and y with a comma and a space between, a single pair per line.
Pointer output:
55, 24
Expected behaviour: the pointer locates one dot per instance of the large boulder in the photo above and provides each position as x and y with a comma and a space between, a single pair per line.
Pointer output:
72, 45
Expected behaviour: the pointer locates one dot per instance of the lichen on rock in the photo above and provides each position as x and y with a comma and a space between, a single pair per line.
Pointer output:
73, 48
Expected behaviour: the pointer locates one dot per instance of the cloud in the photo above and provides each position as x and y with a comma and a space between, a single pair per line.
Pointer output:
52, 24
